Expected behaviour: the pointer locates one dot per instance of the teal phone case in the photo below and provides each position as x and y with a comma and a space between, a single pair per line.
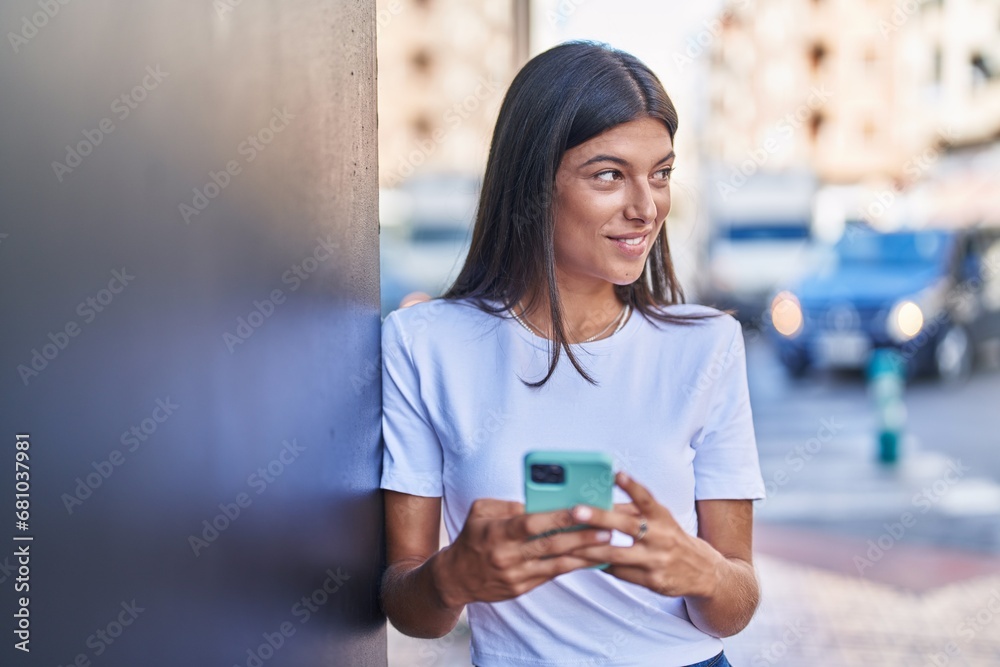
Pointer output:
588, 480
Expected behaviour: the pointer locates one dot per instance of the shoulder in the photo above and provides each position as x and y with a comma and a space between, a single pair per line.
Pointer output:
699, 320
693, 309
695, 333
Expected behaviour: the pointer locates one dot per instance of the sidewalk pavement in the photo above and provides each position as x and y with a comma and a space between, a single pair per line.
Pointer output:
814, 617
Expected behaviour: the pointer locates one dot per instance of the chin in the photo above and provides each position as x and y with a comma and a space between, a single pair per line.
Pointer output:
623, 278
622, 281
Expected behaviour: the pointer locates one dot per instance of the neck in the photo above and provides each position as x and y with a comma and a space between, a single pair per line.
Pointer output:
585, 312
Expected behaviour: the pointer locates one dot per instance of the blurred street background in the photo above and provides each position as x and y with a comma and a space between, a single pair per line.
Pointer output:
838, 187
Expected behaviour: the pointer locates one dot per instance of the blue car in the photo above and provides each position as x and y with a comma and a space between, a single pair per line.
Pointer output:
932, 295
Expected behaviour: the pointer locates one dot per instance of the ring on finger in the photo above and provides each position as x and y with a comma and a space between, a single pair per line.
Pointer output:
643, 528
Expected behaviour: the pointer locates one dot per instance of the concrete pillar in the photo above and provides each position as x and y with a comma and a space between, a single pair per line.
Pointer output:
189, 320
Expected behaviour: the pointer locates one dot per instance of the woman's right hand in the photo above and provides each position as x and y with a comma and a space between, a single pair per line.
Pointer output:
494, 557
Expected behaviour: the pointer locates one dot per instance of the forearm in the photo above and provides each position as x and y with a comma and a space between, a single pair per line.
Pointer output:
732, 604
413, 601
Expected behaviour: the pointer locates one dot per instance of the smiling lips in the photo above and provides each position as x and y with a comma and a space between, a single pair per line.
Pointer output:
631, 245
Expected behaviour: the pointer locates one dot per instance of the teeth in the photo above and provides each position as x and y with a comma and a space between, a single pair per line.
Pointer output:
635, 241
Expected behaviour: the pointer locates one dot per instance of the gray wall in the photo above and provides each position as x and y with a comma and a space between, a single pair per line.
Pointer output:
153, 409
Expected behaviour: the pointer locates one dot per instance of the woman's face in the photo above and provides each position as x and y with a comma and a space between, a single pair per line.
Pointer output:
612, 196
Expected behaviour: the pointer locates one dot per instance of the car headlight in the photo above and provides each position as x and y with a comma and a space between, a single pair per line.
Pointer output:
786, 314
906, 320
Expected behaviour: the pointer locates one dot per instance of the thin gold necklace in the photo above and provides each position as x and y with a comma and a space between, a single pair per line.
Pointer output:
620, 319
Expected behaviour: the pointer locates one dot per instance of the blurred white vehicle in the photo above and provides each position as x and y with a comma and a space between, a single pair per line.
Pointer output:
426, 226
761, 237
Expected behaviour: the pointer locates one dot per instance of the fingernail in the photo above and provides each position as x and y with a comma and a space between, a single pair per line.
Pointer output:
582, 513
624, 477
603, 536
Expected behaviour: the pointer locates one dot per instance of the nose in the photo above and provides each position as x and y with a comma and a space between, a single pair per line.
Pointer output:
641, 205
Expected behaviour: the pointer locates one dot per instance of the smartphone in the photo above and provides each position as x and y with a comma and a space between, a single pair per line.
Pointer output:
555, 480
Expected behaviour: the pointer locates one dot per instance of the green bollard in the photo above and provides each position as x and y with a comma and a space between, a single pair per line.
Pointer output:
887, 379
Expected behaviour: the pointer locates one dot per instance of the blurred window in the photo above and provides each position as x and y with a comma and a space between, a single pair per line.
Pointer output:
927, 248
816, 122
438, 234
817, 55
421, 60
765, 232
983, 69
422, 126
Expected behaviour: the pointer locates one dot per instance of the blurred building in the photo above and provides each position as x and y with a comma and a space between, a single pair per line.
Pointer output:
444, 66
854, 89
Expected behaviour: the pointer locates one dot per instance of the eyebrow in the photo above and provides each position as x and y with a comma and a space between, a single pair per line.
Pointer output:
617, 160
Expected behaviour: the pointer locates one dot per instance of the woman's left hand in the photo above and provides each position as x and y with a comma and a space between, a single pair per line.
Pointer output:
665, 559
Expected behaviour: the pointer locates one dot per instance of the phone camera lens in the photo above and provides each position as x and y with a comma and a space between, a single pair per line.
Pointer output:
547, 474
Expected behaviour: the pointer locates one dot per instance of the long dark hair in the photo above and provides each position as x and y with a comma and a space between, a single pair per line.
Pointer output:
559, 99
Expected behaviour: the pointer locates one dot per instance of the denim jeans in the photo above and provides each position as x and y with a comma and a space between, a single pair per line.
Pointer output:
717, 661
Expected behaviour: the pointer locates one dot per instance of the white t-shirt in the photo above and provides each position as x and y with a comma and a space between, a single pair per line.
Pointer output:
671, 406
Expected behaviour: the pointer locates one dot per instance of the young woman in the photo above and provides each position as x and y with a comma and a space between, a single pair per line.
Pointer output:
566, 329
